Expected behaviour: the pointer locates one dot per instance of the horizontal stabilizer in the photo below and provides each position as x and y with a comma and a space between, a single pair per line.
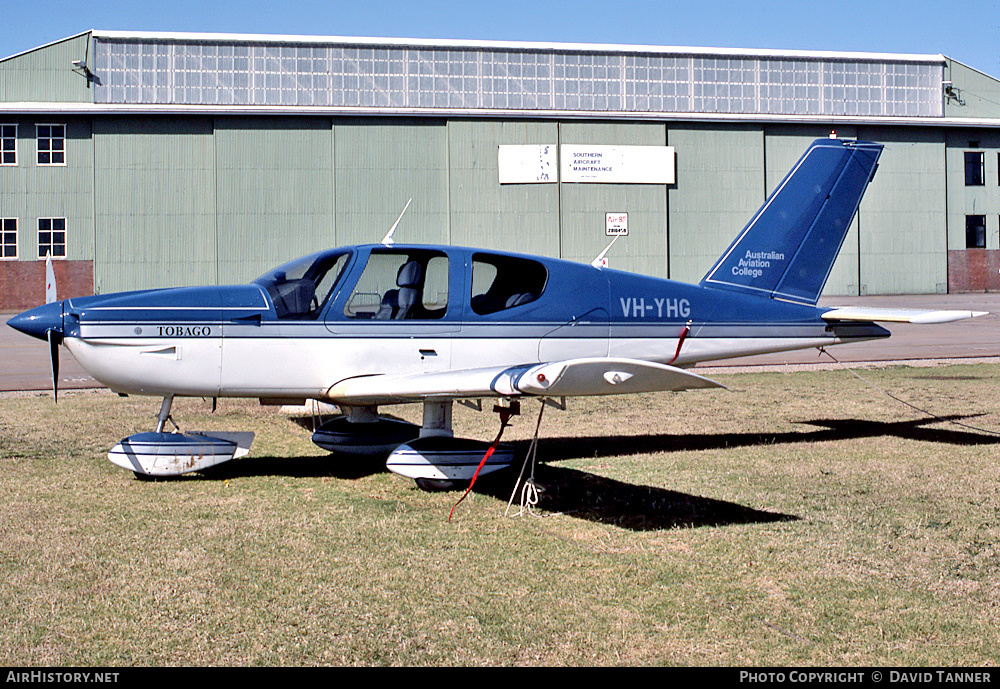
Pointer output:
888, 315
570, 378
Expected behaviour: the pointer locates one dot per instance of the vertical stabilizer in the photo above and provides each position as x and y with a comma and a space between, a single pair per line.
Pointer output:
788, 248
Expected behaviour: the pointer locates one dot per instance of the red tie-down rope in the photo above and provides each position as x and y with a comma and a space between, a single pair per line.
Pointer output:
505, 414
680, 342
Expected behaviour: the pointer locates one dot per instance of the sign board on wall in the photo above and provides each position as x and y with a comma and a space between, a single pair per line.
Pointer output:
616, 224
536, 164
618, 164
527, 164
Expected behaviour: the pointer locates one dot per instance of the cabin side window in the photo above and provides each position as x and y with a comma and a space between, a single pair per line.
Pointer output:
505, 282
401, 285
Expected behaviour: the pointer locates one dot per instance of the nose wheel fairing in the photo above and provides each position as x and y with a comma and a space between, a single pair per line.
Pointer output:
173, 454
159, 453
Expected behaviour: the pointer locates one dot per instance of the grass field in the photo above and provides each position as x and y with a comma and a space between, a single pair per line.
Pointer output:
796, 519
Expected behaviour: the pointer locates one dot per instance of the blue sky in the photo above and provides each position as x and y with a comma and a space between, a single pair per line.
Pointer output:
966, 30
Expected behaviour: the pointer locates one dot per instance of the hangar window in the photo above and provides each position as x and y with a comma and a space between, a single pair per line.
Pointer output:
504, 282
975, 232
51, 144
8, 144
302, 288
52, 237
401, 285
974, 169
8, 238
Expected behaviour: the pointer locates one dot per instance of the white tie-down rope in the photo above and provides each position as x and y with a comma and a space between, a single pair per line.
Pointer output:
529, 491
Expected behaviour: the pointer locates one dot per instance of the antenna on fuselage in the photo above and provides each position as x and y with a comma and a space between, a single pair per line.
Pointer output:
601, 261
387, 241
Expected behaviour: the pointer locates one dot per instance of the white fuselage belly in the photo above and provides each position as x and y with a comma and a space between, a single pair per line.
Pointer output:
148, 366
308, 367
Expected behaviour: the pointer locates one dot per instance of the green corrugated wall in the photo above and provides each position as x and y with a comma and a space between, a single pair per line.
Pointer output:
719, 187
46, 75
273, 188
169, 201
484, 213
584, 206
155, 217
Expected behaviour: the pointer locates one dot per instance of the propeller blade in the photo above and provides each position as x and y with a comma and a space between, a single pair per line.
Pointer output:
54, 338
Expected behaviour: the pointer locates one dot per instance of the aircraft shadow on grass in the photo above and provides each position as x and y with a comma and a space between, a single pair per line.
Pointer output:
610, 501
557, 449
565, 490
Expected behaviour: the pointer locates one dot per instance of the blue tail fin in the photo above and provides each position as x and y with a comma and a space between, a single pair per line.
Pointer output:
788, 248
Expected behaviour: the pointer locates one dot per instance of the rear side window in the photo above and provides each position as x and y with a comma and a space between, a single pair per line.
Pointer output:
505, 282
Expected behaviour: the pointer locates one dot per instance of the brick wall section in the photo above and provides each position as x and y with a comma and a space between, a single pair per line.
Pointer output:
974, 270
22, 283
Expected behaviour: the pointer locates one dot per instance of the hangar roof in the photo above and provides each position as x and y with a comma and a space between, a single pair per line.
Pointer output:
250, 73
292, 39
450, 44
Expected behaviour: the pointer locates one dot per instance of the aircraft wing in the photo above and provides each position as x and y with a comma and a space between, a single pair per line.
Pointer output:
570, 378
888, 315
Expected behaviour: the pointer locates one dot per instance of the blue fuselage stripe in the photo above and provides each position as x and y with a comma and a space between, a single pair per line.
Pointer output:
284, 330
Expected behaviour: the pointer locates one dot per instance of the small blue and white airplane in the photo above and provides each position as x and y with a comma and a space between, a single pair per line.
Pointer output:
366, 326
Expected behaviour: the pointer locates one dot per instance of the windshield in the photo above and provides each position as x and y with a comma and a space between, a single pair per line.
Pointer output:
301, 288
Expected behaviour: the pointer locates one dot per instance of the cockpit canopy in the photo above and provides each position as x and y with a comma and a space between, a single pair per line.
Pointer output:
402, 283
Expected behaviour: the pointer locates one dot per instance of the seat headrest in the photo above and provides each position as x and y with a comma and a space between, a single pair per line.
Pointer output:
409, 274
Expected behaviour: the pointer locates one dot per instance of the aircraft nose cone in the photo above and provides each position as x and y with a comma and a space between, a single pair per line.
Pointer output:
38, 321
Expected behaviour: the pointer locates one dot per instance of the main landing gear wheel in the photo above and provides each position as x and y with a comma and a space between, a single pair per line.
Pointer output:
440, 485
438, 461
152, 478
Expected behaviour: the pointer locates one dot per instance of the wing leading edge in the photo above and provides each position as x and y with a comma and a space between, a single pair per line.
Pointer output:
569, 378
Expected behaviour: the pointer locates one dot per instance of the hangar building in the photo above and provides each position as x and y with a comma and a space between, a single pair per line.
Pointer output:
152, 159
